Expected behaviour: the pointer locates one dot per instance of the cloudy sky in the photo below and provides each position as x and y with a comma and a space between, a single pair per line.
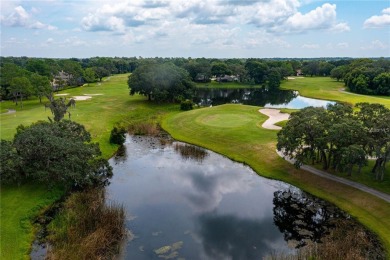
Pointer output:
195, 28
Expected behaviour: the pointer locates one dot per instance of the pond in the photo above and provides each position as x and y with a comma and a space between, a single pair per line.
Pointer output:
257, 97
185, 202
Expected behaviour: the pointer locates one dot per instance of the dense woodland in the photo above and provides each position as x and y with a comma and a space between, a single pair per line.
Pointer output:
22, 77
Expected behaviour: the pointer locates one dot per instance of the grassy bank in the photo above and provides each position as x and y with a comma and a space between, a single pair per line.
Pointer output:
330, 89
19, 206
99, 114
235, 131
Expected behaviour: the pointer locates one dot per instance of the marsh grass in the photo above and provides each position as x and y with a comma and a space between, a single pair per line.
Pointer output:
150, 128
345, 242
87, 228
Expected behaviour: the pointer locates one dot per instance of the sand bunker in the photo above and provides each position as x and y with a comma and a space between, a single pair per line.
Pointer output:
93, 94
274, 117
58, 95
81, 98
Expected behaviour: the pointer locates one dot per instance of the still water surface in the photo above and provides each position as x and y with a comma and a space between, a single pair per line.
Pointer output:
184, 202
257, 97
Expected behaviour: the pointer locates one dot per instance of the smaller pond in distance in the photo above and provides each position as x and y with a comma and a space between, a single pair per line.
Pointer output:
257, 97
185, 202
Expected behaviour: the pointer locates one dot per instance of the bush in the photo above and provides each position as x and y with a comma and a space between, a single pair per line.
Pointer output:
186, 105
117, 135
87, 228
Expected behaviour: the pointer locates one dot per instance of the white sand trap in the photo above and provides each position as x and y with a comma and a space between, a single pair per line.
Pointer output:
290, 78
274, 117
92, 94
81, 98
58, 95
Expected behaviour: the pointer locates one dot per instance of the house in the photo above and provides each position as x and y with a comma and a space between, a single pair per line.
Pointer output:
227, 78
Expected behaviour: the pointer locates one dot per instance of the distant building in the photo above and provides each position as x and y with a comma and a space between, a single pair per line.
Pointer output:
227, 78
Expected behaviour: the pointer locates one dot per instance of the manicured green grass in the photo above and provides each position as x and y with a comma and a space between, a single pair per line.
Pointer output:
329, 89
99, 115
247, 142
19, 206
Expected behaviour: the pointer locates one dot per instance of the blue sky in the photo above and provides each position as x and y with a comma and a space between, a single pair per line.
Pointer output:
195, 28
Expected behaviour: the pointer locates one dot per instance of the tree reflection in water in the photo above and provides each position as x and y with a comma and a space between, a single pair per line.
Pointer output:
254, 96
190, 152
302, 218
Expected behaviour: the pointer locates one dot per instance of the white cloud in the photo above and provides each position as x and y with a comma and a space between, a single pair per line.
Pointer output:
310, 46
19, 17
375, 45
340, 27
321, 18
378, 21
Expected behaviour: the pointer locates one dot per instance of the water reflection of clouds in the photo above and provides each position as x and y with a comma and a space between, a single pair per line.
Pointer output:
231, 237
301, 102
173, 195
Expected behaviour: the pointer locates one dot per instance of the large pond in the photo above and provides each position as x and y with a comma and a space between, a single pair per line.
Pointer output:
184, 202
257, 97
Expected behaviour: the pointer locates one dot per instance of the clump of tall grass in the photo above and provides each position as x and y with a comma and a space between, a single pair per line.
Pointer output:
87, 228
149, 128
347, 241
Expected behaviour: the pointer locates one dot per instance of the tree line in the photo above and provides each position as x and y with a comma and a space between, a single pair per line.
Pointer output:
22, 77
338, 137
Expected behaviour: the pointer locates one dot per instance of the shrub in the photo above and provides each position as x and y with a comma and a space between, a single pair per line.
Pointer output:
87, 228
117, 135
186, 105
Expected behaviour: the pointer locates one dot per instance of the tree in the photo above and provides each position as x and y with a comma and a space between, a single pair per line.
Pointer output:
311, 68
10, 171
376, 122
38, 66
220, 69
382, 84
90, 75
41, 86
274, 79
303, 137
256, 71
338, 73
20, 87
162, 82
59, 107
59, 153
101, 72
324, 68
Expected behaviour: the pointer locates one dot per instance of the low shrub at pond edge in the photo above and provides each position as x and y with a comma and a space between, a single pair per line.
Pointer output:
87, 228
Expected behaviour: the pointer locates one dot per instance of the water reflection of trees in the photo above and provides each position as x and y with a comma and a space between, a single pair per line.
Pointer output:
121, 154
255, 96
190, 152
302, 218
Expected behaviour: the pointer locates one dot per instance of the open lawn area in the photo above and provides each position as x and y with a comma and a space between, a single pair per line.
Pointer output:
329, 89
232, 130
245, 141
